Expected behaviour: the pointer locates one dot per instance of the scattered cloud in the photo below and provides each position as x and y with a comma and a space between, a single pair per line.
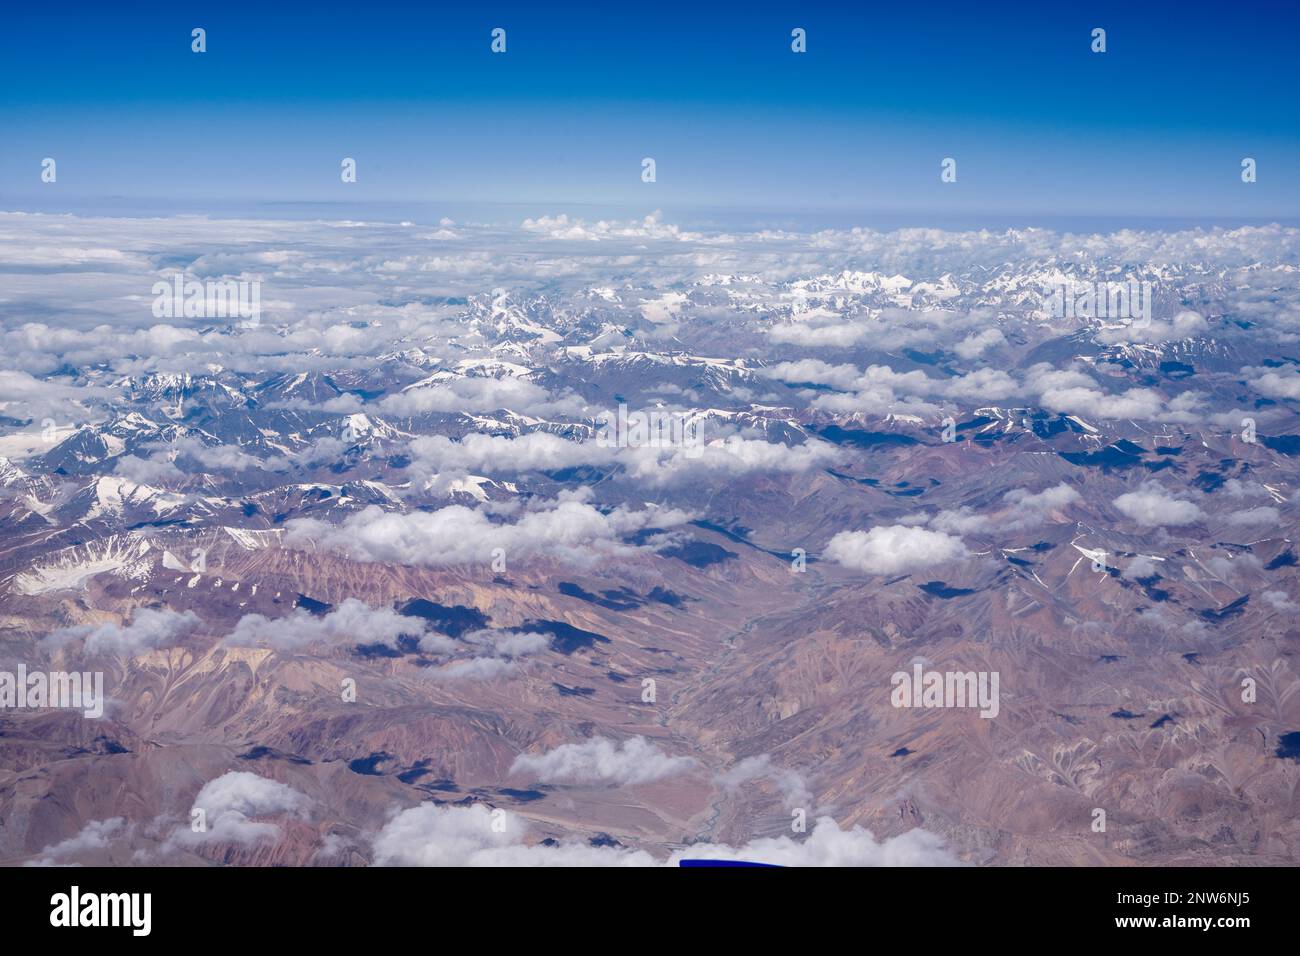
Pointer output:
1153, 506
566, 530
230, 805
601, 760
149, 629
790, 783
352, 622
95, 835
893, 549
430, 835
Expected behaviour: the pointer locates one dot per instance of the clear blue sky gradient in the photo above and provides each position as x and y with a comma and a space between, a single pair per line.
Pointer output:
1039, 125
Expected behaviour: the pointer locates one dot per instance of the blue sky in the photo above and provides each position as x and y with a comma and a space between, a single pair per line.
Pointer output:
1040, 126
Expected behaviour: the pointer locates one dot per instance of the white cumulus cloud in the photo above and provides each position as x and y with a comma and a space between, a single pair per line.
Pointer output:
893, 549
